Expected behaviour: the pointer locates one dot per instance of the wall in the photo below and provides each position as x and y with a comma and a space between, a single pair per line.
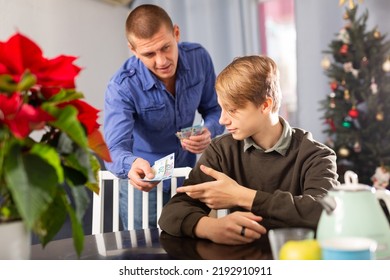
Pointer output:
89, 29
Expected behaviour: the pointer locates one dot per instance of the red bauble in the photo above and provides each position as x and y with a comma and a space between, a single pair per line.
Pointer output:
333, 85
353, 113
344, 49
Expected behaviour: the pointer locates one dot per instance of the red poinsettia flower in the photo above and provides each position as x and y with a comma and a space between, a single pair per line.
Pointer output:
20, 53
21, 118
87, 115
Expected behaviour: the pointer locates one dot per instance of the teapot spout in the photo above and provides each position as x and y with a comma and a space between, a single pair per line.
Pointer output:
328, 203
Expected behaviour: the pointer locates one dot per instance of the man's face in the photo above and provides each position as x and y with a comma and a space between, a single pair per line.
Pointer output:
241, 122
159, 53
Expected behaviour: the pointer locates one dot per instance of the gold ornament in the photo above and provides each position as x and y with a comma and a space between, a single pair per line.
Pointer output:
344, 152
386, 65
325, 62
379, 116
351, 3
377, 34
346, 94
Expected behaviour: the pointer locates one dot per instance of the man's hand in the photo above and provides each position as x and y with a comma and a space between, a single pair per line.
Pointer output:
141, 169
197, 143
222, 193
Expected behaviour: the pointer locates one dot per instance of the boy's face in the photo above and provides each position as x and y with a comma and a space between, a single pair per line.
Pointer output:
159, 53
241, 122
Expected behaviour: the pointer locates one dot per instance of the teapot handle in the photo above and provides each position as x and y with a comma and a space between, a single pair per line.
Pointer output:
350, 178
383, 197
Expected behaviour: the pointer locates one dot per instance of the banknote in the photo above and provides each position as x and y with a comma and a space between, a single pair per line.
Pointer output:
189, 131
163, 168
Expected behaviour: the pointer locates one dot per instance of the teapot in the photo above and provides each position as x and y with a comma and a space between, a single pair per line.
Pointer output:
356, 210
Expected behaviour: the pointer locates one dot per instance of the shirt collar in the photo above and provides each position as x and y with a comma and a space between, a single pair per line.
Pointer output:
281, 145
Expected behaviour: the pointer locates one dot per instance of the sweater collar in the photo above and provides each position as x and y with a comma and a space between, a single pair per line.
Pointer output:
281, 145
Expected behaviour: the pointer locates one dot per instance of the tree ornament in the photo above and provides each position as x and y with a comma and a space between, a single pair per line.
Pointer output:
332, 104
381, 177
353, 113
347, 122
379, 116
351, 3
357, 147
344, 152
346, 94
344, 49
331, 124
374, 86
377, 34
333, 85
364, 61
325, 62
344, 36
386, 65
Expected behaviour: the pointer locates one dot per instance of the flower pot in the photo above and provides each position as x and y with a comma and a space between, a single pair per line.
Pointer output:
15, 241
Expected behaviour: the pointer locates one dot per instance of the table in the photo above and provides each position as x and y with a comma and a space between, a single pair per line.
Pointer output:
150, 244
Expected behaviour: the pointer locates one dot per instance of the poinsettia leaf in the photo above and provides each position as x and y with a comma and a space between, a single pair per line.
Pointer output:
7, 84
92, 184
98, 145
81, 200
48, 227
65, 95
27, 81
32, 182
66, 121
50, 155
77, 229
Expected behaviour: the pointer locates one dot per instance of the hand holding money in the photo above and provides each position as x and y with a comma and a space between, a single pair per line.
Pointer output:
141, 169
162, 169
197, 143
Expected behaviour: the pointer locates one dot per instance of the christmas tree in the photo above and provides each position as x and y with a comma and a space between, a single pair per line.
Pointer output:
357, 108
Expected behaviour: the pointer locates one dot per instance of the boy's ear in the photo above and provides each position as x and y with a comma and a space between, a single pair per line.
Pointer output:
267, 105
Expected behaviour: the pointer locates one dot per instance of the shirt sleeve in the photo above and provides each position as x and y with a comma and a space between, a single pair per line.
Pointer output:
118, 129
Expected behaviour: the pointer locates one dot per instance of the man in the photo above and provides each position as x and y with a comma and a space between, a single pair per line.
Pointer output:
152, 96
267, 173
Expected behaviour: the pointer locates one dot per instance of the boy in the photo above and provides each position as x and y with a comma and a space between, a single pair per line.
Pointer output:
267, 173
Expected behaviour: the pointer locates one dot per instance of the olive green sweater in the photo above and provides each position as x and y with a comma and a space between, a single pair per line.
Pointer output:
287, 185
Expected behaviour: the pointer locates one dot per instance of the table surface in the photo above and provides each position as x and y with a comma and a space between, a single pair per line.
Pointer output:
152, 244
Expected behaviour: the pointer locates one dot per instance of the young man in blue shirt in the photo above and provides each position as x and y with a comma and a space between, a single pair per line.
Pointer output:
152, 96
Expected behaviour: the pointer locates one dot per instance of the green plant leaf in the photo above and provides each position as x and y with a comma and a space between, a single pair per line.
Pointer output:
66, 121
32, 183
26, 82
52, 219
7, 84
50, 155
81, 200
65, 95
77, 229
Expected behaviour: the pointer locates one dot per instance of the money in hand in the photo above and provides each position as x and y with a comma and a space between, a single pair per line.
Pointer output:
163, 168
189, 131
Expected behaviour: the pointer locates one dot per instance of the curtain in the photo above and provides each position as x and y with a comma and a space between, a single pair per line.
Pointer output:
226, 28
